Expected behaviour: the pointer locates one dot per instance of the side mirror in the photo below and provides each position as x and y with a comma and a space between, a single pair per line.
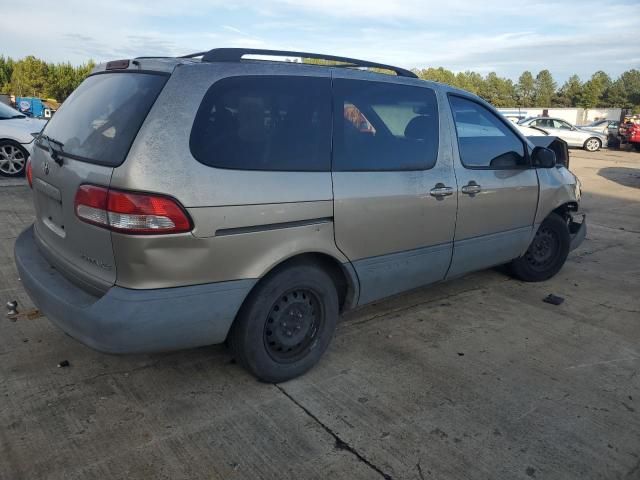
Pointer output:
543, 157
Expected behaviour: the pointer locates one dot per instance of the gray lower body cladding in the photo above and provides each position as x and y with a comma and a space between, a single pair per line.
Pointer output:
130, 321
578, 230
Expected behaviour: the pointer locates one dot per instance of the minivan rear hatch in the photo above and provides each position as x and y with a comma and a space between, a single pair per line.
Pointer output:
86, 139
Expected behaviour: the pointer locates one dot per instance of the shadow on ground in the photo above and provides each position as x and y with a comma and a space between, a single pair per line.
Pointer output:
628, 177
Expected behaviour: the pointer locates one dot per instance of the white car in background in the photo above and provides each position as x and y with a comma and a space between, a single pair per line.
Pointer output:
575, 137
17, 132
531, 131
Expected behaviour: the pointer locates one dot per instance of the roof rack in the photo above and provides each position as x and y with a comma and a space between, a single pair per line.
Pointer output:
236, 54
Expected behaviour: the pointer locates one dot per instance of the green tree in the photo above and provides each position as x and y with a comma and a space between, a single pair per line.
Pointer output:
29, 77
570, 92
439, 74
498, 91
545, 87
616, 95
631, 84
525, 89
64, 78
61, 81
594, 89
470, 81
6, 70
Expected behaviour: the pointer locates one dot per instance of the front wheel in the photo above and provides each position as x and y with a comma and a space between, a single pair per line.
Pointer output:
592, 144
546, 254
286, 324
13, 159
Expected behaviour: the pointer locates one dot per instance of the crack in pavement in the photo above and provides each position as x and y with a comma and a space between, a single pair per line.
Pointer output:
339, 442
620, 229
633, 470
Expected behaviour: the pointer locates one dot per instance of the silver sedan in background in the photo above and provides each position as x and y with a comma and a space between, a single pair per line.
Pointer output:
602, 126
574, 136
17, 132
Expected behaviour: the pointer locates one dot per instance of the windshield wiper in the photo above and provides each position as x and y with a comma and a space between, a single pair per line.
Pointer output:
17, 116
55, 154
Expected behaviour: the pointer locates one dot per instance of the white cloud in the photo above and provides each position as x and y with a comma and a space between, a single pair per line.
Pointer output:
506, 36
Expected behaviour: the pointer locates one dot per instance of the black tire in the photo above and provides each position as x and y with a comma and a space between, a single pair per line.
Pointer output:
264, 343
592, 144
636, 146
13, 159
546, 254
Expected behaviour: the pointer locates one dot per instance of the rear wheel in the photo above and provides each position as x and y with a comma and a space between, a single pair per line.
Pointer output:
13, 158
546, 254
592, 144
286, 324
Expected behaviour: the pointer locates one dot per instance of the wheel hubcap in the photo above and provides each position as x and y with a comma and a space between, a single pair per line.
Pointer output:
592, 145
12, 159
544, 249
292, 325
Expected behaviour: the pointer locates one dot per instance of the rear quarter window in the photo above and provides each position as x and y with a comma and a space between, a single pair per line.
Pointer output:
100, 119
265, 123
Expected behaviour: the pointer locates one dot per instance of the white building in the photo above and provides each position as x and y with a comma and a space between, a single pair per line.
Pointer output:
575, 116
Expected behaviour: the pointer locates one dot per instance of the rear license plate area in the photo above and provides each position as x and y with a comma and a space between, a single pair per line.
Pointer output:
50, 206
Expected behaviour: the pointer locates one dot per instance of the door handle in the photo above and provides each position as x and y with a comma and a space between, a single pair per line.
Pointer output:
440, 191
471, 188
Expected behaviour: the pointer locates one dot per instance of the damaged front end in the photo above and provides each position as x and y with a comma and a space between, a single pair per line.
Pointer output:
559, 147
577, 228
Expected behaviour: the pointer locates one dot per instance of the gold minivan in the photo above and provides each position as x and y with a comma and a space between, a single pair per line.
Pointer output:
190, 201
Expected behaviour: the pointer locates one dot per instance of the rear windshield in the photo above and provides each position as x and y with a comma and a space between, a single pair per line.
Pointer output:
100, 119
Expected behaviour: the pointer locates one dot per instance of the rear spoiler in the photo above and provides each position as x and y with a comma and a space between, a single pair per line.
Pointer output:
559, 146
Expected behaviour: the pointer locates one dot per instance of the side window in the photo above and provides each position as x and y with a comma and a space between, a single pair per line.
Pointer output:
484, 141
265, 123
561, 124
383, 126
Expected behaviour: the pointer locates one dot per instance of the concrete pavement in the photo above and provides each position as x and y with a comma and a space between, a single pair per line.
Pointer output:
472, 379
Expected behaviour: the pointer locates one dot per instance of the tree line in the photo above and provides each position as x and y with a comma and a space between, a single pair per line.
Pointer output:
542, 90
31, 76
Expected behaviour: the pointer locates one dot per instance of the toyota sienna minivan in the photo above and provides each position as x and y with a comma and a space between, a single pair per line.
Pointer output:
214, 198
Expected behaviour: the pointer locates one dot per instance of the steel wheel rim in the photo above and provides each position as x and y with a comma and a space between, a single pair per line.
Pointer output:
12, 159
593, 145
544, 249
292, 325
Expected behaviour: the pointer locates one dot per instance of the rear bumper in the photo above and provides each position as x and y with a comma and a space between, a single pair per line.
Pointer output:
577, 229
125, 320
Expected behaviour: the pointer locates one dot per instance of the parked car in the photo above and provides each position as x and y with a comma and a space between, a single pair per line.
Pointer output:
190, 201
630, 133
605, 127
532, 131
513, 115
574, 136
17, 132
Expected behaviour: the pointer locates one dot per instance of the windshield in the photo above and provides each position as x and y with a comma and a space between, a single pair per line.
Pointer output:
100, 119
8, 112
525, 120
597, 123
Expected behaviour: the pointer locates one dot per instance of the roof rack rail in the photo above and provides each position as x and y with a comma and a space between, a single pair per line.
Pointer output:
236, 54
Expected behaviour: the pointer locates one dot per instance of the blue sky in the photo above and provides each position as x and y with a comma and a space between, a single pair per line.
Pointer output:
483, 35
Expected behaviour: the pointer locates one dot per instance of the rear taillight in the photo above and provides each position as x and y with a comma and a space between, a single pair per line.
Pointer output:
128, 212
29, 173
